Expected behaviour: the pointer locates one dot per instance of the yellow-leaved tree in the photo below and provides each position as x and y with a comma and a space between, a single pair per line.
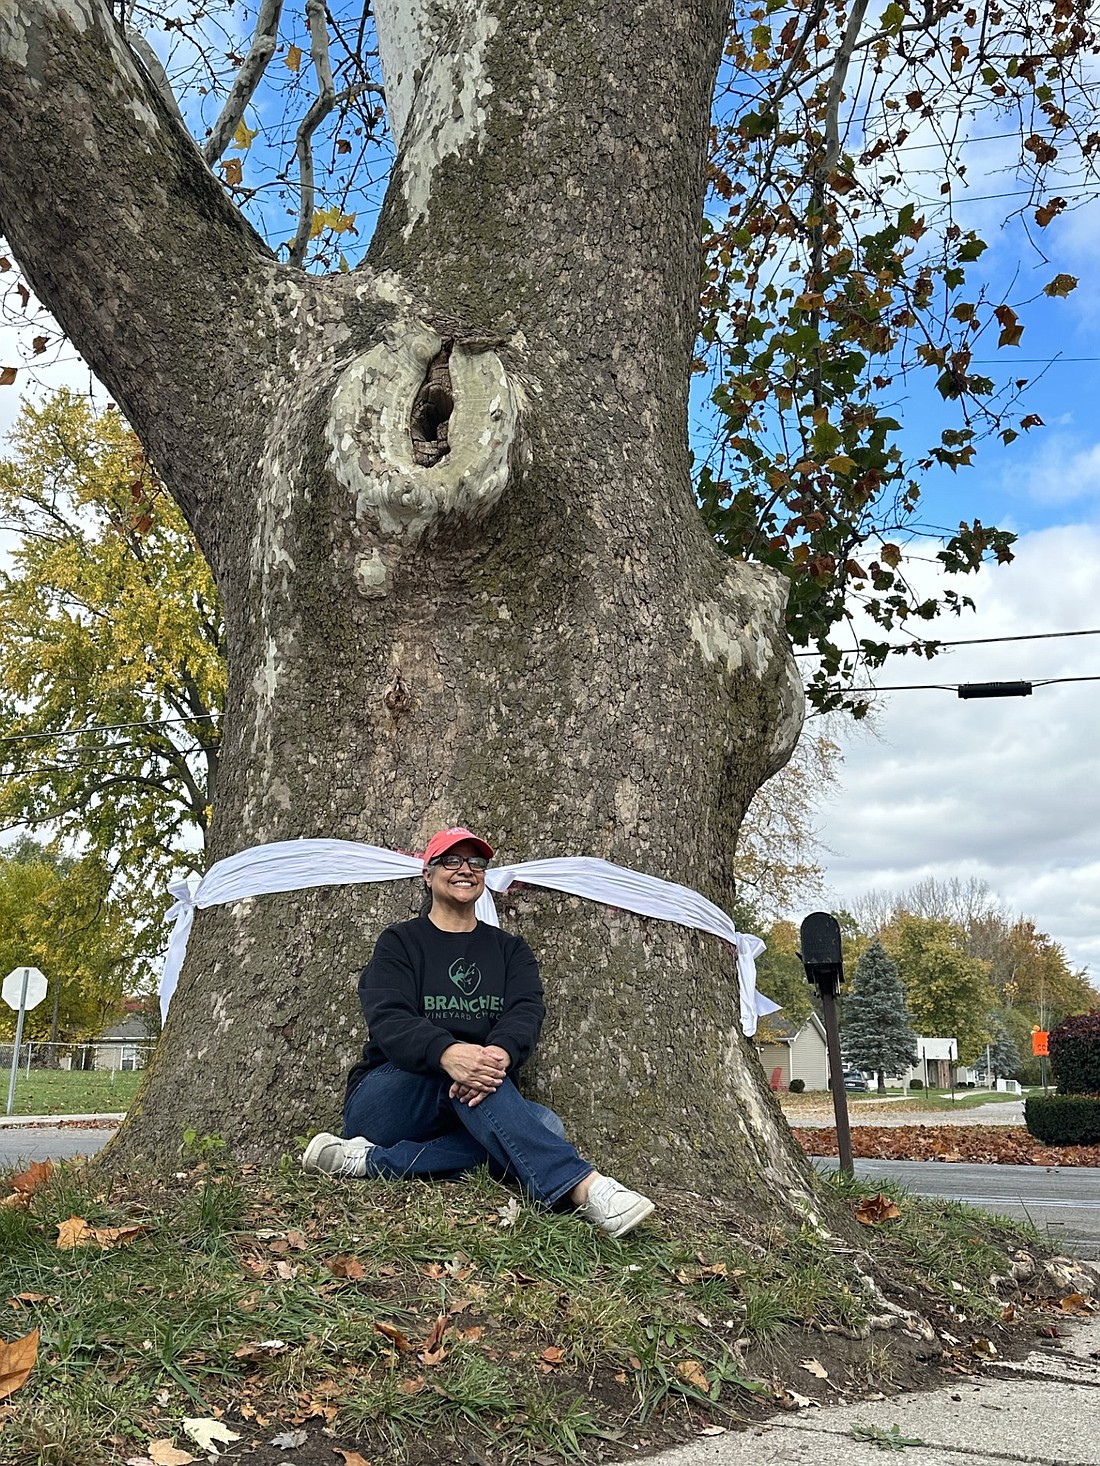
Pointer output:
56, 915
112, 670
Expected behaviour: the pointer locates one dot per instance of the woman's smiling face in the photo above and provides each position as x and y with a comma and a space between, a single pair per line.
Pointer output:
461, 886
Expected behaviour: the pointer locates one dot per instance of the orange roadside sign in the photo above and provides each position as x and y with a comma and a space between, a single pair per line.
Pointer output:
1039, 1043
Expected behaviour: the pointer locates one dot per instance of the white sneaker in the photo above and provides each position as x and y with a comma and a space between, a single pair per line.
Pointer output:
336, 1157
613, 1208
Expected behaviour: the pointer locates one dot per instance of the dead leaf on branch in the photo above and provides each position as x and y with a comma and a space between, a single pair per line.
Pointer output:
875, 1209
7, 376
16, 1362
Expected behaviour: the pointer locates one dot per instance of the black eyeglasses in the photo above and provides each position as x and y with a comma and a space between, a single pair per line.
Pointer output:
456, 862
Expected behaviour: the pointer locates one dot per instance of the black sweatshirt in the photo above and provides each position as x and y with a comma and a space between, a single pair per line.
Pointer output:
425, 989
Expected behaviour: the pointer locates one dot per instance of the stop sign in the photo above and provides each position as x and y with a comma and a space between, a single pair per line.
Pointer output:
12, 990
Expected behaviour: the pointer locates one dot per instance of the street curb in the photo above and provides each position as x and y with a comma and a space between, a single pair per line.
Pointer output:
54, 1122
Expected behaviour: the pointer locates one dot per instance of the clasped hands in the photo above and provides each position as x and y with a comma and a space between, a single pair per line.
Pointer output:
476, 1070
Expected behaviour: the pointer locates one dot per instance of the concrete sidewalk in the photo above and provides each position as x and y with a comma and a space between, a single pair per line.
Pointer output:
53, 1120
1044, 1410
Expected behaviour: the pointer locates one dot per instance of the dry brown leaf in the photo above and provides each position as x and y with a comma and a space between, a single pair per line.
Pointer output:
36, 1175
351, 1458
7, 376
17, 1200
393, 1333
21, 1299
815, 1366
343, 1265
1077, 1303
874, 1209
297, 1240
16, 1362
472, 1334
164, 1453
692, 1373
413, 1386
552, 1355
73, 1232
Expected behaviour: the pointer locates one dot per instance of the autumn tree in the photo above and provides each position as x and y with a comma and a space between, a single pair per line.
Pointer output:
56, 915
447, 495
877, 1031
776, 866
948, 992
112, 665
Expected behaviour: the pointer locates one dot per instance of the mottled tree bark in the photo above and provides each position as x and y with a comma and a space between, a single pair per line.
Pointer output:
530, 633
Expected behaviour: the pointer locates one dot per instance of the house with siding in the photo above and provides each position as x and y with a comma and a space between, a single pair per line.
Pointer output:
793, 1051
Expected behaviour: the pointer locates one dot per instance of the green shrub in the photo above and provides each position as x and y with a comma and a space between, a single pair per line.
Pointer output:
916, 1084
1063, 1119
796, 1086
1075, 1054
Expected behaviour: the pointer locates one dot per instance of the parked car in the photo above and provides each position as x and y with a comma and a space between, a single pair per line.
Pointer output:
855, 1083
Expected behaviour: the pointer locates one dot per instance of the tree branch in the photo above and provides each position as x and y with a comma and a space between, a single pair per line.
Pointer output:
118, 223
246, 81
322, 106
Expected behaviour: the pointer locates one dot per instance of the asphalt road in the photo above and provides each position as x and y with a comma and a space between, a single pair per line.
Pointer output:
48, 1144
1063, 1202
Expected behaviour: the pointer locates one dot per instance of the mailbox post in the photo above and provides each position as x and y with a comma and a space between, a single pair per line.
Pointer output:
824, 966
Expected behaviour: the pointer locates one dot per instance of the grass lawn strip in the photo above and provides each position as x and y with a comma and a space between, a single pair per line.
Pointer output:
421, 1323
74, 1091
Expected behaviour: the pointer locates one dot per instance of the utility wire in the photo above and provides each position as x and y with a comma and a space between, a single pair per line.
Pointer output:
975, 641
954, 686
107, 728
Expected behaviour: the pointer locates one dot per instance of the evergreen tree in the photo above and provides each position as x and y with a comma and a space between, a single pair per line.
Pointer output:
1002, 1052
878, 1033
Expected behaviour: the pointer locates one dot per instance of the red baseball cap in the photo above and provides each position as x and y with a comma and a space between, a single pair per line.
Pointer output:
446, 839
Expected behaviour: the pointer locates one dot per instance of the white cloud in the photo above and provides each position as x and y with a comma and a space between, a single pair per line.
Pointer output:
1007, 790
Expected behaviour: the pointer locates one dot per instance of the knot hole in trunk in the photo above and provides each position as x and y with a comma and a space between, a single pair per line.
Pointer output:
431, 410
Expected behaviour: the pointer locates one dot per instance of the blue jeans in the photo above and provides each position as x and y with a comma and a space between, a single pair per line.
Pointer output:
417, 1130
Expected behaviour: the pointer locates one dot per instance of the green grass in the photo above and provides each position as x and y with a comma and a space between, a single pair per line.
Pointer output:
71, 1092
259, 1294
935, 1099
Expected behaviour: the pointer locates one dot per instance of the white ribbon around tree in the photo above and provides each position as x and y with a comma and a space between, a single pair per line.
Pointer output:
296, 865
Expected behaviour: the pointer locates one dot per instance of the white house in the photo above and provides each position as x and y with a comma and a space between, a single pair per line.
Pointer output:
937, 1062
793, 1051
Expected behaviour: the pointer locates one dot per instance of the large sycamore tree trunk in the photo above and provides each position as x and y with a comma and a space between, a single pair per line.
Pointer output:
531, 634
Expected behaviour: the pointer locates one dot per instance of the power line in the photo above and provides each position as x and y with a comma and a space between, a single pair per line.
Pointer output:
954, 686
974, 641
107, 728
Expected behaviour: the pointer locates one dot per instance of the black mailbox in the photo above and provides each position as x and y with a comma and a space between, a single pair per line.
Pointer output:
821, 952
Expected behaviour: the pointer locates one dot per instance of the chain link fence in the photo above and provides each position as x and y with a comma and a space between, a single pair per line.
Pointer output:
95, 1054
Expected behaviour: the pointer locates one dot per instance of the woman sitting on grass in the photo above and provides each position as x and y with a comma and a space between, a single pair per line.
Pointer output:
454, 1008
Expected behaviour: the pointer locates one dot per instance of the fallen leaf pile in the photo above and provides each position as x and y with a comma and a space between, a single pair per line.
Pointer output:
996, 1145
